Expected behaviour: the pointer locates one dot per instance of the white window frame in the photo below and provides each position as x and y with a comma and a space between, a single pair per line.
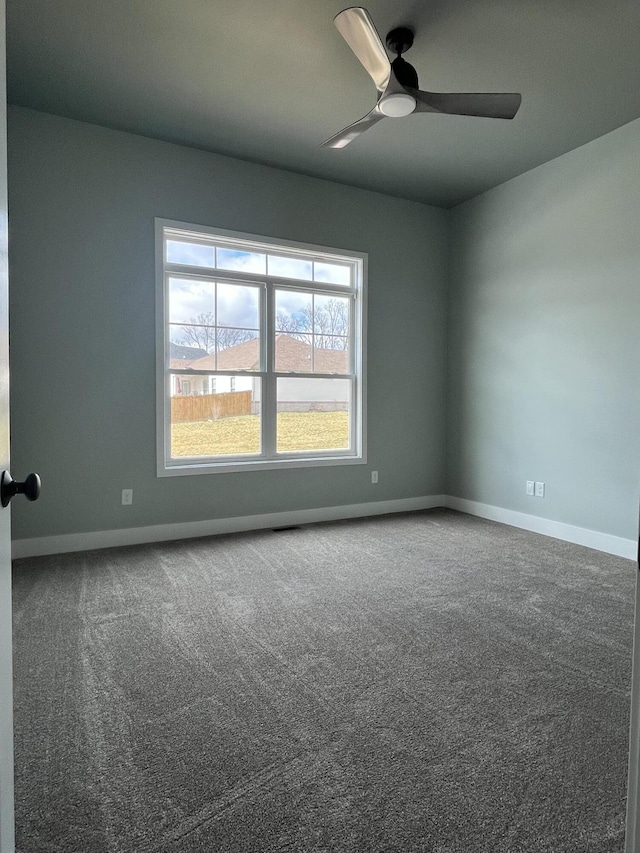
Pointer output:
168, 467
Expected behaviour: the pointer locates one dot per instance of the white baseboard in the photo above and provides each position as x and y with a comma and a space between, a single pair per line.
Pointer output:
187, 530
556, 529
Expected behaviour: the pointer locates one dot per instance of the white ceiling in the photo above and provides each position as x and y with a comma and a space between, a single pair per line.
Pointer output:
268, 80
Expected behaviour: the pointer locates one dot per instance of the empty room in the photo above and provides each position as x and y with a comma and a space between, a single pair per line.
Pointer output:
321, 427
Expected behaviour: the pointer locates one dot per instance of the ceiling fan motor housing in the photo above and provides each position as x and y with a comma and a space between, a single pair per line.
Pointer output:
399, 40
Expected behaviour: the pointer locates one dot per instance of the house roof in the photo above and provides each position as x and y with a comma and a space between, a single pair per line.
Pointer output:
181, 356
291, 355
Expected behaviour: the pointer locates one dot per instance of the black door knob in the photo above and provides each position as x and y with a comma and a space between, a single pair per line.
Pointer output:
10, 487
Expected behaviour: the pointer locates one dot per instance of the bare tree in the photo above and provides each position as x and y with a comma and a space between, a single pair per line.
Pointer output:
287, 323
337, 311
229, 337
331, 324
202, 332
326, 326
295, 325
199, 333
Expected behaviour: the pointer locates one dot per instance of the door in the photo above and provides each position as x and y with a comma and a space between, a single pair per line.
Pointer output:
6, 700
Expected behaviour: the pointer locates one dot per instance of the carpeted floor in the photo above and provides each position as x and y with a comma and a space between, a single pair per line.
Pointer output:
421, 682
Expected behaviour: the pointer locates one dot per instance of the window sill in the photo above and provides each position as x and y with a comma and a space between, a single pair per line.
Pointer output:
188, 469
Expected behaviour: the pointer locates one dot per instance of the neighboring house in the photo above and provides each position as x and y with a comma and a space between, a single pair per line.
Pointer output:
292, 356
179, 353
180, 357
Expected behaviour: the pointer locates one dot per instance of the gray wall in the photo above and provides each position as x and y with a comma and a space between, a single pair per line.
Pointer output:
82, 204
544, 339
543, 308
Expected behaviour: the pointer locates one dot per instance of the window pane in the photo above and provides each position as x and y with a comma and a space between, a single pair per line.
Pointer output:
313, 414
330, 317
238, 305
332, 356
292, 355
233, 259
294, 317
332, 273
193, 254
191, 301
220, 365
238, 349
191, 344
294, 311
290, 267
220, 423
295, 355
311, 332
238, 323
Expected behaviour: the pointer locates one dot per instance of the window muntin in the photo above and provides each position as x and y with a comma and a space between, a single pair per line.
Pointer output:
243, 315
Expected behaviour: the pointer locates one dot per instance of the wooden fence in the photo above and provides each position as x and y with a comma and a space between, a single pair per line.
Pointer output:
210, 407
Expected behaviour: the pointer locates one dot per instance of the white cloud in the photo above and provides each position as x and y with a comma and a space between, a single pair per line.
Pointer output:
189, 298
238, 305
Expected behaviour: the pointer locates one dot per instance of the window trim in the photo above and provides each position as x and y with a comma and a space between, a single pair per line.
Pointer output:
358, 332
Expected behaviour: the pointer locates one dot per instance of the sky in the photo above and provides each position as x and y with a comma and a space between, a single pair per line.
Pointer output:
194, 254
237, 304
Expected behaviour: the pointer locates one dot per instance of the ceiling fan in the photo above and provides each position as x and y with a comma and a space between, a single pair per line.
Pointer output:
397, 81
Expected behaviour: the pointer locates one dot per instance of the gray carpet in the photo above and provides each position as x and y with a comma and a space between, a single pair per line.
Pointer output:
422, 682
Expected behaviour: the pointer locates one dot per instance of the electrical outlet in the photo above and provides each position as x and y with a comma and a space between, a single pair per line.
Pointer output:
127, 497
539, 490
530, 488
374, 477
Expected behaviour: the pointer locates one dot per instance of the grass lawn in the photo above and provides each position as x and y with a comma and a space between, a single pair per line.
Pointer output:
296, 431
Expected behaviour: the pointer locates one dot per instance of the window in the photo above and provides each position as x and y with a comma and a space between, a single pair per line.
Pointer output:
275, 331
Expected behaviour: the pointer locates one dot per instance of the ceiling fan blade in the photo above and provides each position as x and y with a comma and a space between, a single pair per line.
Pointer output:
492, 105
348, 134
357, 29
